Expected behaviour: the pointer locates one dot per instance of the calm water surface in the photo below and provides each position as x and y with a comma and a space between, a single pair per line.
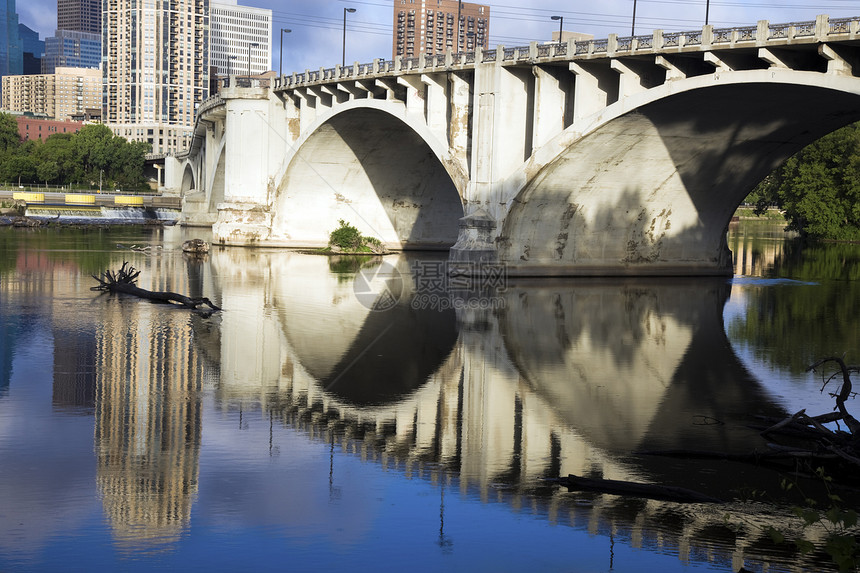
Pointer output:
342, 414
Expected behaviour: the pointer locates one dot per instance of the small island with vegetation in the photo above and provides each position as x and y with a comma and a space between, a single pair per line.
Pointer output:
347, 240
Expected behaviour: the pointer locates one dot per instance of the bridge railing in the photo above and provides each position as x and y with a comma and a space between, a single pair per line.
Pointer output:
821, 29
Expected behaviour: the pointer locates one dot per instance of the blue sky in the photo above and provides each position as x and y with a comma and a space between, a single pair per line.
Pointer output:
317, 25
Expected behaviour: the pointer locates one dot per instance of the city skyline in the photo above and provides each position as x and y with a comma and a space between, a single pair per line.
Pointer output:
316, 35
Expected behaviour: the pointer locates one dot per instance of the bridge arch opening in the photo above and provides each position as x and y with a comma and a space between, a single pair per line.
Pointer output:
653, 190
371, 169
187, 179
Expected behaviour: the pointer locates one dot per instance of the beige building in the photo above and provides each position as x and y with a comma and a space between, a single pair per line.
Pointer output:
156, 71
429, 27
61, 95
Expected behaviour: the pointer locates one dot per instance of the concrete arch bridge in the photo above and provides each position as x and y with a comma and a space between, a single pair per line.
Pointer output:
626, 155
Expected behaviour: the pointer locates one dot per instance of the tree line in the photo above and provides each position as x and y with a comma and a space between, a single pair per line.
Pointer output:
818, 188
81, 159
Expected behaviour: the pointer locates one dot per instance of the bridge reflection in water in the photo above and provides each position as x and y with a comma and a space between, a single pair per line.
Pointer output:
559, 378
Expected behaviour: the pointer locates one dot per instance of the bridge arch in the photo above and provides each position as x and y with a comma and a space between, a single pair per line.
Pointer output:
655, 177
367, 164
188, 178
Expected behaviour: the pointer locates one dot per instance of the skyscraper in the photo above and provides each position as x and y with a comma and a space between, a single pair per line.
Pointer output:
430, 27
32, 48
79, 15
77, 41
73, 49
11, 62
155, 58
234, 30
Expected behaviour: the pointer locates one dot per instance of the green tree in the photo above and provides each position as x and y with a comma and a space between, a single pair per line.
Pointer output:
819, 187
9, 138
95, 148
19, 166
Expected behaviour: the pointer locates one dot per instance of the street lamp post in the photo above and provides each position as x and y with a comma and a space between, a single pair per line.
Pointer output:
281, 54
251, 45
633, 24
560, 27
345, 10
707, 9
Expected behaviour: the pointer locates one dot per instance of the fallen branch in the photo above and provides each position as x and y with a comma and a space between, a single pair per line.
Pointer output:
634, 489
124, 279
844, 391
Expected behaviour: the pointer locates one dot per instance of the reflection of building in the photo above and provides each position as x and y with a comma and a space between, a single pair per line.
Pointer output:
74, 370
147, 428
756, 246
430, 27
156, 69
233, 31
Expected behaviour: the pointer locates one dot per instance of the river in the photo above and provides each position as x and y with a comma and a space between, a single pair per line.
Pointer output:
376, 414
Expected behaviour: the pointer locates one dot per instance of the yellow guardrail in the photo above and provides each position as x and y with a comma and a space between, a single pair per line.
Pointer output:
127, 200
28, 197
75, 199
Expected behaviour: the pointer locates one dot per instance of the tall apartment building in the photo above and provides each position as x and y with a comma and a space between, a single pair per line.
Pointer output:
155, 60
431, 27
80, 15
68, 92
233, 32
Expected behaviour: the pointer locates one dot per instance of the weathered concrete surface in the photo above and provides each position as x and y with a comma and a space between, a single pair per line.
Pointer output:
615, 157
652, 190
373, 171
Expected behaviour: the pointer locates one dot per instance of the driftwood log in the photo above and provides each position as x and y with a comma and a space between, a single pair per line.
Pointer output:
635, 489
124, 281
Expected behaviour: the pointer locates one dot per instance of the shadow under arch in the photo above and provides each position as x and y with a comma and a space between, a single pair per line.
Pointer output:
216, 185
654, 179
373, 170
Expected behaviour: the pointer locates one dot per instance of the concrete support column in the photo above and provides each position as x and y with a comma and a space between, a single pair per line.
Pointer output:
673, 72
173, 175
414, 95
458, 130
323, 98
437, 104
629, 81
244, 217
836, 64
549, 106
307, 107
292, 120
591, 92
717, 62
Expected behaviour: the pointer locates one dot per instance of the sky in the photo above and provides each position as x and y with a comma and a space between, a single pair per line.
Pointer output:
315, 39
